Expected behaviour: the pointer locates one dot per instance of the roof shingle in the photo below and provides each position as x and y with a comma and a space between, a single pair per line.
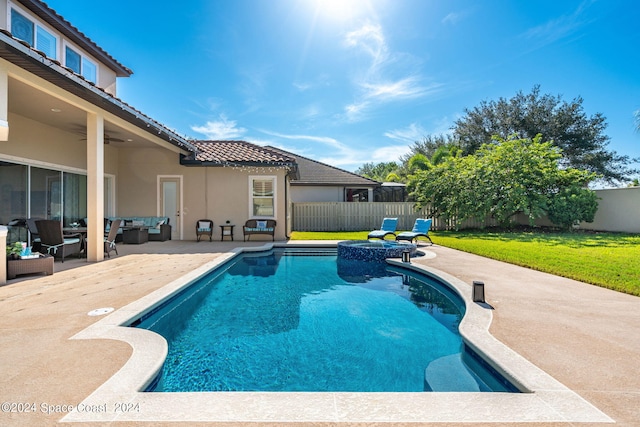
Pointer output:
237, 152
312, 172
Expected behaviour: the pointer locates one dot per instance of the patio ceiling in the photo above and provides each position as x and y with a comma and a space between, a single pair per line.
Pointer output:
39, 106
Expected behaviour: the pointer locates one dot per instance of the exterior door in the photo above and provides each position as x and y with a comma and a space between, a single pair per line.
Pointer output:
171, 203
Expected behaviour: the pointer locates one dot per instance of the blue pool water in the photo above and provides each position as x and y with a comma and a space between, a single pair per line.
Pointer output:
286, 321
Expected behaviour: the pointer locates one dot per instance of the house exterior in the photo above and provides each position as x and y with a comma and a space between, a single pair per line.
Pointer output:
71, 149
320, 182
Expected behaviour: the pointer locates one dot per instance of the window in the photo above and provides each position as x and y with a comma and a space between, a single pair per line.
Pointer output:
25, 29
356, 195
262, 196
72, 59
80, 64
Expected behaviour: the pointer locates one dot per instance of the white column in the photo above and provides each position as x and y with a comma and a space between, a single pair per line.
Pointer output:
370, 194
4, 104
95, 187
3, 246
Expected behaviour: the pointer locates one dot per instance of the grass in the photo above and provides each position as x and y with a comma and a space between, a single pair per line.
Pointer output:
609, 260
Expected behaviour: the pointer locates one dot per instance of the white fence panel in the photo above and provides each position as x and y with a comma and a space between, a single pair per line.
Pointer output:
617, 211
347, 216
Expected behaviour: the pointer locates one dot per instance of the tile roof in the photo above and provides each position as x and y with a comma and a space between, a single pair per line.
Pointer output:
236, 152
312, 172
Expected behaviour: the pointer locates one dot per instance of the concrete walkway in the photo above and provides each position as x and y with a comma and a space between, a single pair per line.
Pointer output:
586, 337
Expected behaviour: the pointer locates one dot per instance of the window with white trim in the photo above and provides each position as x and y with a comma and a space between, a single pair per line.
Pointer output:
80, 64
23, 28
263, 196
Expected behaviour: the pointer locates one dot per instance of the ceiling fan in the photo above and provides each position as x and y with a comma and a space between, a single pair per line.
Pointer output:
107, 139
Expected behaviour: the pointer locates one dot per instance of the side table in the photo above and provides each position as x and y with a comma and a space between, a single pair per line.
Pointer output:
43, 264
135, 235
226, 230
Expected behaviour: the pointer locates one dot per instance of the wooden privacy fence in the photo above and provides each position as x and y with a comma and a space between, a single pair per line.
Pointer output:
349, 216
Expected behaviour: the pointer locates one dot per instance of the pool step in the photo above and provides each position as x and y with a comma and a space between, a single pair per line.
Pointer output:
449, 373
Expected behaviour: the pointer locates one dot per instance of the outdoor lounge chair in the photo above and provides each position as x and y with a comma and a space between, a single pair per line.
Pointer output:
55, 243
204, 227
110, 239
388, 227
35, 237
420, 229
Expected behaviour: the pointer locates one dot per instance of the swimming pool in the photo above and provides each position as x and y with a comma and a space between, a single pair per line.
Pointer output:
541, 397
290, 320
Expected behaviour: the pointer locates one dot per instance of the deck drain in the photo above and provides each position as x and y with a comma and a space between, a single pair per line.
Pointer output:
100, 311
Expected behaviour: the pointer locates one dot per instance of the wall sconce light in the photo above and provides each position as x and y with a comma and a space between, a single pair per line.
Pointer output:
478, 291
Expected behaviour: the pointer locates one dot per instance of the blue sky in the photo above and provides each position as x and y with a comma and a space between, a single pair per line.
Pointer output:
352, 81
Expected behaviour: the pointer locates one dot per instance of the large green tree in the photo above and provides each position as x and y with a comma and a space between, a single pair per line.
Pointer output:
580, 137
380, 172
514, 175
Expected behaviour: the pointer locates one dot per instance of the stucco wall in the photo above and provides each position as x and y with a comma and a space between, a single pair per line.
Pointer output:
618, 210
216, 193
309, 194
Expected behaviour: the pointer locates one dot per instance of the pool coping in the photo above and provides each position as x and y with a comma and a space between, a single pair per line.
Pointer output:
120, 398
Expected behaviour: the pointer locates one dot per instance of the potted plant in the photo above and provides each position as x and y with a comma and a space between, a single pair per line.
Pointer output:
14, 250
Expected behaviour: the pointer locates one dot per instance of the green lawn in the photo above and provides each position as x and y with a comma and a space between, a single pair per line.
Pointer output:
610, 260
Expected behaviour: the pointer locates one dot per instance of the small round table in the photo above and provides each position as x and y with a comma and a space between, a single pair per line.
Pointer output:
226, 230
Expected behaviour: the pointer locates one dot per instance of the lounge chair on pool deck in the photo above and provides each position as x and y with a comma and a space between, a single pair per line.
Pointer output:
54, 243
420, 229
110, 238
388, 227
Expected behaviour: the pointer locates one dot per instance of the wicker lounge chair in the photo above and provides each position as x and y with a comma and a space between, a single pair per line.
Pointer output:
388, 227
204, 227
110, 239
420, 229
54, 242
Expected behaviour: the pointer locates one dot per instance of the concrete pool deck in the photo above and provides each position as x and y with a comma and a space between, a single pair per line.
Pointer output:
585, 337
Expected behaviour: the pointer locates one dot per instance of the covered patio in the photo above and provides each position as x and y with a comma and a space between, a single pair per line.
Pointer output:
64, 141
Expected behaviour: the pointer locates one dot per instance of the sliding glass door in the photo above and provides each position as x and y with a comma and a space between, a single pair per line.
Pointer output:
39, 193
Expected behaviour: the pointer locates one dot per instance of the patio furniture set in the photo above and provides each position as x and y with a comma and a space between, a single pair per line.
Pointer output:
204, 227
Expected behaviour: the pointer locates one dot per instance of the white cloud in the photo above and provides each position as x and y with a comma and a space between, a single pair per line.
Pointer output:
391, 153
559, 28
355, 112
414, 132
370, 39
451, 18
321, 139
408, 87
375, 84
220, 129
302, 86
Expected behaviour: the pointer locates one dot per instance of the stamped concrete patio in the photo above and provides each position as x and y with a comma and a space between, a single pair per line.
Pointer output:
584, 336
